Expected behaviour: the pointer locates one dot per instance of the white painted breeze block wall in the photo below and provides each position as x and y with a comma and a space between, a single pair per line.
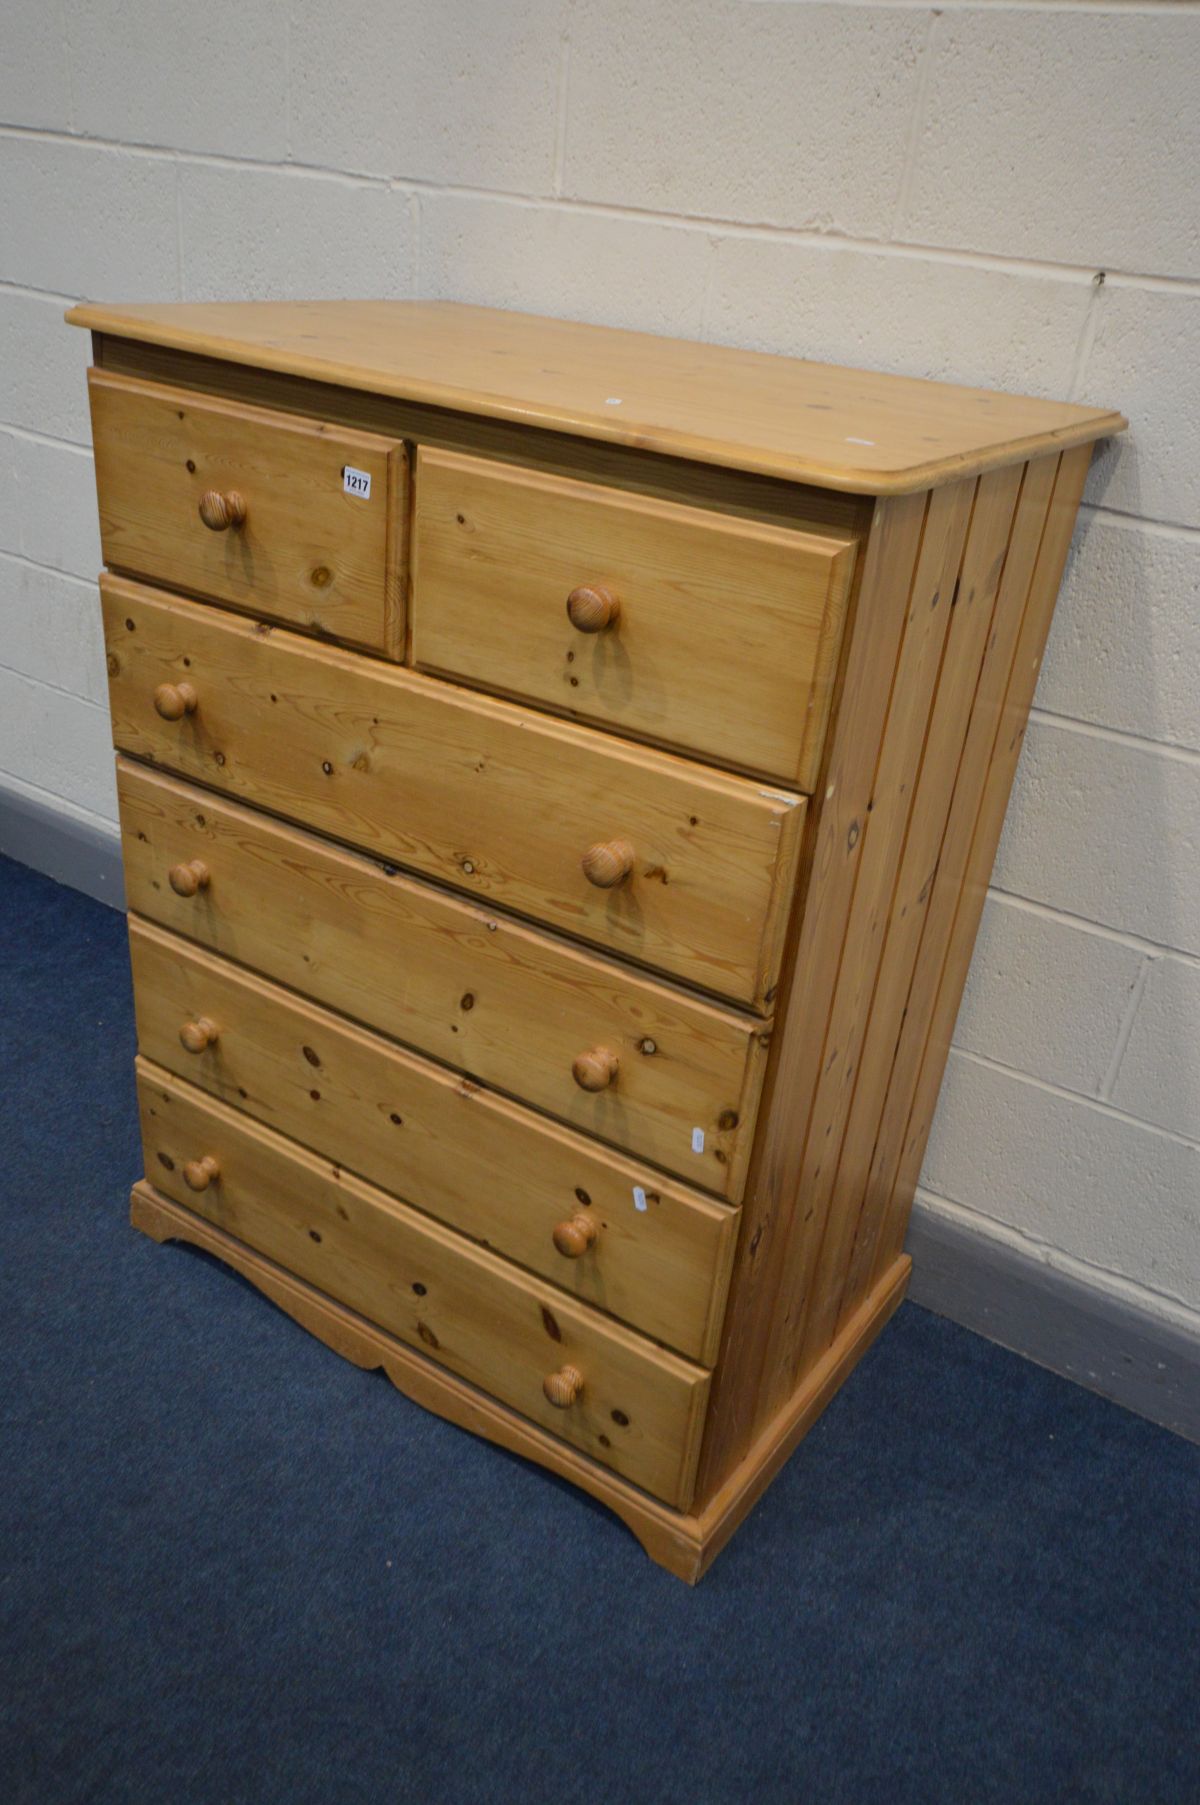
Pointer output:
993, 193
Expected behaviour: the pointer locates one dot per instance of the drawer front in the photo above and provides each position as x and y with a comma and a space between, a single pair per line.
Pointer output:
678, 624
512, 1007
609, 1232
307, 551
478, 793
639, 1409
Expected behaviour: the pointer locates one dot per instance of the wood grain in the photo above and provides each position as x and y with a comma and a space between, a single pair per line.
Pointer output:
815, 423
497, 552
927, 624
884, 972
868, 1053
1051, 552
442, 1143
306, 553
657, 569
832, 855
475, 792
403, 957
1037, 487
487, 1321
739, 494
684, 1544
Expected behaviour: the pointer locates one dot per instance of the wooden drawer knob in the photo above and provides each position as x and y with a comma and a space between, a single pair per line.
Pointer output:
608, 863
198, 1174
174, 700
220, 512
198, 1034
574, 1237
185, 880
596, 1069
592, 608
563, 1387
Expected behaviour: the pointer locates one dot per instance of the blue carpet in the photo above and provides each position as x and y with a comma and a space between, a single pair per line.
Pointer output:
236, 1569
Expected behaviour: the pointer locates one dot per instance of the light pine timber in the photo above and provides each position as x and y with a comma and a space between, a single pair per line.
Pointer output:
306, 552
887, 950
682, 1542
509, 1005
1035, 626
475, 792
834, 848
915, 678
982, 549
1038, 483
854, 430
497, 553
886, 825
479, 1316
497, 1172
906, 808
739, 494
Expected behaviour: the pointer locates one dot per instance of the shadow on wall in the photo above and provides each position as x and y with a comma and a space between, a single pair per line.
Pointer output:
1154, 842
1103, 829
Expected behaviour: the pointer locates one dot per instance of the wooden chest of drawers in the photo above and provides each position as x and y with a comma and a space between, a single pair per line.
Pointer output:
559, 774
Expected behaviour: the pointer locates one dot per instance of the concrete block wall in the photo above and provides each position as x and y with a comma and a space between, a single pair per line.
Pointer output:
992, 192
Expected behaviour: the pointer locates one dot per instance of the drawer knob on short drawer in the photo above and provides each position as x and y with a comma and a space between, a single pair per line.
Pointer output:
174, 700
199, 1034
608, 863
219, 512
185, 880
198, 1174
563, 1387
591, 607
573, 1237
596, 1069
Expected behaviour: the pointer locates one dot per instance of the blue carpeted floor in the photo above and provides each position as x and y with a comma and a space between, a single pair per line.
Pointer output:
233, 1568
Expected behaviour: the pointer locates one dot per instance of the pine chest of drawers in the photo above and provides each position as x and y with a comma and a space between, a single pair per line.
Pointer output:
559, 775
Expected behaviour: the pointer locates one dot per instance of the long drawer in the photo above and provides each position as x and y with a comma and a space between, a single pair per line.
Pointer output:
610, 1232
665, 862
262, 510
679, 624
513, 1007
631, 1405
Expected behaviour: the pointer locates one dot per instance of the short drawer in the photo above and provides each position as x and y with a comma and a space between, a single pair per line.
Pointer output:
514, 1008
678, 624
629, 1404
290, 518
612, 1233
690, 870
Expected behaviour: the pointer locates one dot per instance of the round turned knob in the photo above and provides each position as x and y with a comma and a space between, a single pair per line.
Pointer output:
174, 700
220, 512
198, 1034
198, 1174
563, 1387
595, 1070
592, 608
185, 880
608, 864
573, 1238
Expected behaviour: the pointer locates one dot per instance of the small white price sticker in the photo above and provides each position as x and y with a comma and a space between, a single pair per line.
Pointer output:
356, 482
639, 1197
697, 1140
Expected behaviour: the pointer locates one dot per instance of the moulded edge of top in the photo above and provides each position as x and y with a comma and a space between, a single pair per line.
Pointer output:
155, 326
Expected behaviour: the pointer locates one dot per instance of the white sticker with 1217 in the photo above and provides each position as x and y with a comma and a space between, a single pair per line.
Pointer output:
356, 482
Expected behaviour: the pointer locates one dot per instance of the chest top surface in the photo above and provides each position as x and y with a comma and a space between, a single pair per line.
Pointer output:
858, 431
